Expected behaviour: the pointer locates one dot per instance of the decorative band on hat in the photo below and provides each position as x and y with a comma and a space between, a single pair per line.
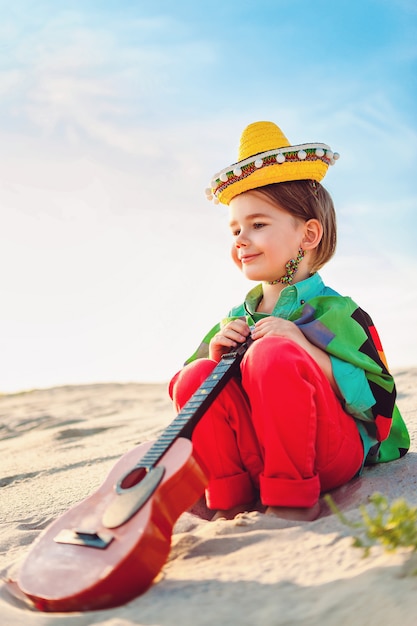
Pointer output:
279, 156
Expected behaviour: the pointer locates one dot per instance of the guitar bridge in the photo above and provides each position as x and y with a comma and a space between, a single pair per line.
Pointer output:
86, 538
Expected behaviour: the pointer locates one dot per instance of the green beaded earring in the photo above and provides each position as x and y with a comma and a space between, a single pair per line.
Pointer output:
291, 268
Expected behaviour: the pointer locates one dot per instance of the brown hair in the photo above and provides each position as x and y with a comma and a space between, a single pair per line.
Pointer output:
305, 200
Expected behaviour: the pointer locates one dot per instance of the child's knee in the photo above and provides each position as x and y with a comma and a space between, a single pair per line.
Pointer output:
188, 380
273, 351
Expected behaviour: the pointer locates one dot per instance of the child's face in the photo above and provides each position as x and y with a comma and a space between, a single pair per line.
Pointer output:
265, 237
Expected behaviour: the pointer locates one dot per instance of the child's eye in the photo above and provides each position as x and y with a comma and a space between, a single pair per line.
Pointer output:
258, 225
235, 233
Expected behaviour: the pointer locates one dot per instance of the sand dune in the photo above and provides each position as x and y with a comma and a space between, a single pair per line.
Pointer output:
57, 446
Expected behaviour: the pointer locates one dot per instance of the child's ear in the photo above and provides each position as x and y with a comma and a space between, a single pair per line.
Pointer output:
313, 232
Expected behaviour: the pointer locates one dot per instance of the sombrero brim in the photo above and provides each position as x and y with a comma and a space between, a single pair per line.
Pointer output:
302, 162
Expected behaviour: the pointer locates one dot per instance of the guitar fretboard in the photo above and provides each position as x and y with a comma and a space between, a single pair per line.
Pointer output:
186, 420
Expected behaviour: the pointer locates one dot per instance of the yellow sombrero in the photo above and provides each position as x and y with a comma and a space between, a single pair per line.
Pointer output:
265, 157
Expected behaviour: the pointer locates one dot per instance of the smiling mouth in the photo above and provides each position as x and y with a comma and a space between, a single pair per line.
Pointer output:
248, 258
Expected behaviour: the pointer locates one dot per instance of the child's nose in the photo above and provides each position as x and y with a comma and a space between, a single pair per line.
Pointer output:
241, 239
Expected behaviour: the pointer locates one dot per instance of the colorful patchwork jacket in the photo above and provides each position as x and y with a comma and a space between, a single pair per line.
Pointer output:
337, 325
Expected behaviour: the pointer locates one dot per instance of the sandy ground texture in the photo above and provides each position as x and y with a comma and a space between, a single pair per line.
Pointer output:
57, 446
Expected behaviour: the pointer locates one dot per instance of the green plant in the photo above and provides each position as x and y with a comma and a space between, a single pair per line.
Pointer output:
392, 525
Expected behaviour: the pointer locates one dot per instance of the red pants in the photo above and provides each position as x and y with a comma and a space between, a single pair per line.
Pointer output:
280, 431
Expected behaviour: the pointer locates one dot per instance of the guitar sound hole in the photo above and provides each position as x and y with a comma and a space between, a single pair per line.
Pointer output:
133, 478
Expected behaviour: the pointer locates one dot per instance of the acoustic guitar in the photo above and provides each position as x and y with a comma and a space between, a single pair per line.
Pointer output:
109, 548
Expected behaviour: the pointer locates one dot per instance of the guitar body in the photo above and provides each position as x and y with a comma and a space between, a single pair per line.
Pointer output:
105, 551
108, 549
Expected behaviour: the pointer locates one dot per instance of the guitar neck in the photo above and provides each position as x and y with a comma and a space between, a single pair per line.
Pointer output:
186, 420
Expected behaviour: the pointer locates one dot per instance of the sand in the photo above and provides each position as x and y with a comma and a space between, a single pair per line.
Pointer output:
57, 446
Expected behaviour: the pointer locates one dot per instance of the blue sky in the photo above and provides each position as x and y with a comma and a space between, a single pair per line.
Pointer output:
113, 117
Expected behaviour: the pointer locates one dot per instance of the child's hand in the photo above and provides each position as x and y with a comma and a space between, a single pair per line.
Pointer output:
280, 328
229, 337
